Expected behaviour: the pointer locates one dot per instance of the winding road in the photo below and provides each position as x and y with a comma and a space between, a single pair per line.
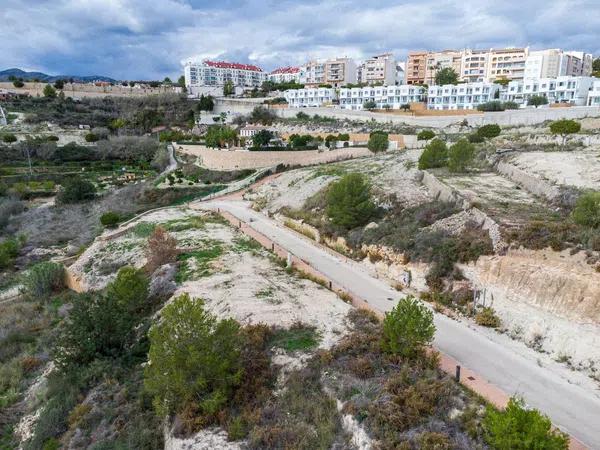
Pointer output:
571, 407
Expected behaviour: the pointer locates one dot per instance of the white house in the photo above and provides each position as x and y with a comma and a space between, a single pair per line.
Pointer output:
285, 75
594, 94
394, 96
205, 73
299, 98
461, 96
250, 130
572, 90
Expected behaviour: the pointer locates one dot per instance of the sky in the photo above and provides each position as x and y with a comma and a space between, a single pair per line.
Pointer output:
148, 39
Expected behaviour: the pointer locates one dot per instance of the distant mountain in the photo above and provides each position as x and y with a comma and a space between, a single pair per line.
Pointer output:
26, 76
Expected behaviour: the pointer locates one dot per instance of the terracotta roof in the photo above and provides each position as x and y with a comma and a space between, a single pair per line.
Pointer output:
230, 65
286, 70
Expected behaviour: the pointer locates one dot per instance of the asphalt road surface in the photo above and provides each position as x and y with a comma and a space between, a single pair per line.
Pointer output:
570, 407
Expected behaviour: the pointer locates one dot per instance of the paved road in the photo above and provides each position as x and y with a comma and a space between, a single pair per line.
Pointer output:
570, 407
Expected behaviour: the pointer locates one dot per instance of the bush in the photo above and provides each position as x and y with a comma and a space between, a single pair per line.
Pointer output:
487, 318
511, 105
9, 250
110, 219
565, 127
43, 279
518, 428
378, 142
194, 358
91, 137
435, 154
489, 131
9, 138
425, 135
494, 105
369, 105
537, 100
460, 155
129, 290
475, 138
407, 328
587, 210
76, 190
162, 249
349, 203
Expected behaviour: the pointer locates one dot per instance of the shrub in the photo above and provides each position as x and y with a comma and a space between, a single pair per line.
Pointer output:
49, 91
162, 249
349, 203
378, 142
9, 250
193, 358
511, 105
587, 210
494, 105
9, 138
565, 127
76, 190
435, 154
407, 328
537, 100
110, 219
475, 138
425, 135
43, 279
369, 105
518, 428
91, 137
460, 155
489, 131
487, 318
129, 290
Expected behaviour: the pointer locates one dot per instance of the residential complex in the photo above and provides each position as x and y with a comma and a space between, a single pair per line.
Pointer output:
317, 96
392, 97
416, 66
552, 63
285, 75
436, 61
380, 69
335, 72
594, 94
572, 90
205, 73
462, 96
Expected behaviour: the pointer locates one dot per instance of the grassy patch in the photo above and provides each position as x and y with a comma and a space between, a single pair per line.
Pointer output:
243, 244
143, 229
197, 263
299, 337
328, 171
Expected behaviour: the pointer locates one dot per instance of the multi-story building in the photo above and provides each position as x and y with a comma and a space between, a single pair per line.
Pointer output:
594, 94
312, 73
506, 64
554, 62
301, 98
436, 61
474, 65
461, 96
416, 66
285, 75
379, 69
392, 96
400, 72
577, 64
340, 71
205, 73
564, 89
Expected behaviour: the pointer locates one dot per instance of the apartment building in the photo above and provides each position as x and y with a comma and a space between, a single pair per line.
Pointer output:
379, 69
594, 94
312, 73
462, 96
474, 65
400, 72
506, 64
564, 89
340, 71
436, 61
310, 96
554, 62
285, 75
416, 67
393, 96
205, 73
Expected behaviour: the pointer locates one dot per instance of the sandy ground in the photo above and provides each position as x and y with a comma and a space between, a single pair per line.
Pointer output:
579, 168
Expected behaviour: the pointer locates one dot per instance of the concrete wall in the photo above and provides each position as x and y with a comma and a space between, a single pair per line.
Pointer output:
79, 90
242, 159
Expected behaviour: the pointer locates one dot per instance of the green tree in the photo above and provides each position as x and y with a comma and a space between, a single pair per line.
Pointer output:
489, 131
193, 358
425, 135
76, 190
219, 136
110, 219
460, 155
519, 428
18, 83
407, 328
91, 137
435, 154
378, 142
537, 100
49, 91
129, 290
43, 279
9, 138
262, 138
349, 202
181, 83
206, 103
167, 80
565, 127
228, 88
447, 75
587, 210
59, 84
596, 65
369, 105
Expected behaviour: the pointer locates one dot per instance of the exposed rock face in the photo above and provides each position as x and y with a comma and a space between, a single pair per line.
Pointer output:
385, 262
162, 283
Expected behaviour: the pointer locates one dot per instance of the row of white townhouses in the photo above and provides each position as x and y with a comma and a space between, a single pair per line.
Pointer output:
577, 91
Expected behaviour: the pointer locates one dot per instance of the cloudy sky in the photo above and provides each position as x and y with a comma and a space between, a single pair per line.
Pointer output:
147, 39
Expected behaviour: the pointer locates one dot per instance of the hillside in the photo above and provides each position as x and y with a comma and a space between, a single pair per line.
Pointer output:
6, 74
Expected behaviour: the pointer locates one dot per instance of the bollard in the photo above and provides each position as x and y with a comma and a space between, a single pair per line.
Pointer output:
289, 260
457, 377
330, 285
272, 246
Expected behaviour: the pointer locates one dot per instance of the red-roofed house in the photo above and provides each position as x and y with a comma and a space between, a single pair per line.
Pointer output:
205, 73
285, 75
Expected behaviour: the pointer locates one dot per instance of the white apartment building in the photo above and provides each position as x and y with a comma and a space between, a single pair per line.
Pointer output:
337, 72
302, 98
507, 64
400, 72
474, 65
205, 73
461, 96
285, 75
394, 96
379, 69
572, 90
554, 62
594, 94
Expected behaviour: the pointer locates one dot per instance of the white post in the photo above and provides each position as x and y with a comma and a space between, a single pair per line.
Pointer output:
289, 260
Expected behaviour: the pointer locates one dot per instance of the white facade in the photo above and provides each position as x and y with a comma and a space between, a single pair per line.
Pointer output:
461, 96
572, 90
552, 63
594, 94
199, 74
302, 98
285, 75
394, 96
380, 69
